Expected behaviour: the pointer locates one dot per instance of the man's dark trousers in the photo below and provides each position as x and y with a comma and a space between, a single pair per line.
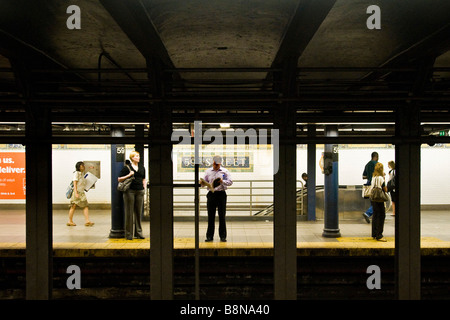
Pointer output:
218, 200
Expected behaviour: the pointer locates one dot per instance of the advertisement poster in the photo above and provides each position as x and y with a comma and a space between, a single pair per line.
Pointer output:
12, 175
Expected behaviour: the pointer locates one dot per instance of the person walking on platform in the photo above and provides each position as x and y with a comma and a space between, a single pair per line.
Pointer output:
133, 198
391, 185
367, 174
379, 210
78, 197
219, 178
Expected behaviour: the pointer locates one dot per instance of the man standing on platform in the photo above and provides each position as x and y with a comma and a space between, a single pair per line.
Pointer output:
219, 178
367, 174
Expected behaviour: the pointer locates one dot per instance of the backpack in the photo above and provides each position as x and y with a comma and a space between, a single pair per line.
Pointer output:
69, 190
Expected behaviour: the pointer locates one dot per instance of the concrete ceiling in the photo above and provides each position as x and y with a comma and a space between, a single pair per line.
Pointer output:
232, 48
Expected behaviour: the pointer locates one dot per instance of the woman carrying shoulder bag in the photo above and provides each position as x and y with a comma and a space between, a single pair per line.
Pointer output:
379, 210
78, 197
133, 198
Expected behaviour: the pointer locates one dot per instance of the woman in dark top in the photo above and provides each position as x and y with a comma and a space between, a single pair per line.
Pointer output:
133, 198
391, 185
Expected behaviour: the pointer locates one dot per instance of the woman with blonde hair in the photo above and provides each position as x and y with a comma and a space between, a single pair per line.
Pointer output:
133, 198
379, 210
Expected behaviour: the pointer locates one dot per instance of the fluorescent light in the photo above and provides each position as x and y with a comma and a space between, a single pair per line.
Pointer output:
348, 123
369, 129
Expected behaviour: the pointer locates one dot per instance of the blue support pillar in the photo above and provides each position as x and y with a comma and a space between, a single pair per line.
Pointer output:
117, 163
331, 184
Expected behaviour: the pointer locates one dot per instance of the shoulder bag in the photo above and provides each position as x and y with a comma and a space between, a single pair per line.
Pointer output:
69, 190
125, 184
377, 194
367, 189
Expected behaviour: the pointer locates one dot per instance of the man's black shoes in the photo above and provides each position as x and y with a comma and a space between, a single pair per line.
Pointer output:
211, 239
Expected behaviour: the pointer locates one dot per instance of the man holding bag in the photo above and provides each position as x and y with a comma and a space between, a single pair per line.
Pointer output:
367, 174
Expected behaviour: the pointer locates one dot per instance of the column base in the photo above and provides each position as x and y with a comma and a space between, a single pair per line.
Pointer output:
331, 233
116, 234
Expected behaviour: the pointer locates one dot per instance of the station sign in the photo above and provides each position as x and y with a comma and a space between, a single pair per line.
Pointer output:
232, 163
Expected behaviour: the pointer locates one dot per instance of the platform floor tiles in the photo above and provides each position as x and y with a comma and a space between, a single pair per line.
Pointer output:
435, 232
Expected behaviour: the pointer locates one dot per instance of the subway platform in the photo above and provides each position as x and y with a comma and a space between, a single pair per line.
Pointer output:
251, 237
241, 268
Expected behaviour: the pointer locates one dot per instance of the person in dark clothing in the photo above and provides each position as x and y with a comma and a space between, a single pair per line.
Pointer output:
391, 185
134, 197
379, 210
220, 179
367, 174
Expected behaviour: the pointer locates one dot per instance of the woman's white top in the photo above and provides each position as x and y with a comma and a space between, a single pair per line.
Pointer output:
81, 182
377, 181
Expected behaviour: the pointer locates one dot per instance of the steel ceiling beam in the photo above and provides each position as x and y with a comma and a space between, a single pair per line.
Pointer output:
433, 45
304, 24
134, 19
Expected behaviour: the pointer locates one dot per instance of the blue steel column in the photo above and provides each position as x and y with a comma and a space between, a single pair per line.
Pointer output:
117, 162
331, 183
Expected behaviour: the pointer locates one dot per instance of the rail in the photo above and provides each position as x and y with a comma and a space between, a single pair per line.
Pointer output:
245, 196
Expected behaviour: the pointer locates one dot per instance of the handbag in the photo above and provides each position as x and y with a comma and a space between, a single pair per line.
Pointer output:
378, 195
125, 184
69, 190
366, 191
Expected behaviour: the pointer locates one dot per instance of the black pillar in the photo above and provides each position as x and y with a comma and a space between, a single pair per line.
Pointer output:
311, 175
407, 207
117, 163
161, 207
39, 256
161, 190
139, 147
285, 213
331, 184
